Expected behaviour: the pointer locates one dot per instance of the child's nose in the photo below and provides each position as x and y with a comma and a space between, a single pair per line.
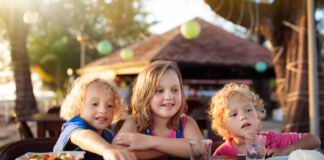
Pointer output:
168, 94
243, 116
102, 108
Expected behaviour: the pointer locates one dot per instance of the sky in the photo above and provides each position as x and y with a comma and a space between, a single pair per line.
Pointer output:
172, 13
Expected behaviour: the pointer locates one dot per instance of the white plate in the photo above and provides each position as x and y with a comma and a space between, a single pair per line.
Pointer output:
278, 158
76, 154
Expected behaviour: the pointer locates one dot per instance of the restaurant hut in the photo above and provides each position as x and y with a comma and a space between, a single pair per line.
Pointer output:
214, 54
215, 57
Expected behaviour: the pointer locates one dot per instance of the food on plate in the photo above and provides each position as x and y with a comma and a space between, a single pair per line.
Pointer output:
61, 156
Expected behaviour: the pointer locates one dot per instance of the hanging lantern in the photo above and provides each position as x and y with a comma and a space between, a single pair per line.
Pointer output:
190, 29
104, 47
69, 71
261, 67
126, 54
267, 44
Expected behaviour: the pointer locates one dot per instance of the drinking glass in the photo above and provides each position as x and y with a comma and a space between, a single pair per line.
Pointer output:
200, 149
255, 147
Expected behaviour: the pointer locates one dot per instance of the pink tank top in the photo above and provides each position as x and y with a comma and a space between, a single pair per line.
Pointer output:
173, 133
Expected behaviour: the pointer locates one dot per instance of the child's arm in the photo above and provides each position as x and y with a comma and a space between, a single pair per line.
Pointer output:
170, 146
307, 141
129, 127
90, 141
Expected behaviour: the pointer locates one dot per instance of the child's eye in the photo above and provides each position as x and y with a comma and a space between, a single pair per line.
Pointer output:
248, 110
109, 106
159, 91
175, 90
233, 115
95, 104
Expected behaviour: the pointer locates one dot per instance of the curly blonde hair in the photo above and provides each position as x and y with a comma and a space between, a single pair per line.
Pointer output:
220, 101
76, 97
144, 90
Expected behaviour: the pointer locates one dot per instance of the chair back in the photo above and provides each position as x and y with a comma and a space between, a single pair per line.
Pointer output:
17, 149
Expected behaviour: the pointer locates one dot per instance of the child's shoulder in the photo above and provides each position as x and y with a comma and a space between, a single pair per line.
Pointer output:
189, 120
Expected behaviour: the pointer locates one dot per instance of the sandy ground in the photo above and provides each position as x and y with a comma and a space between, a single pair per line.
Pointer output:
9, 133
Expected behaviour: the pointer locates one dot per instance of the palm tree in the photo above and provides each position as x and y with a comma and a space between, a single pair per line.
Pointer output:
284, 24
11, 12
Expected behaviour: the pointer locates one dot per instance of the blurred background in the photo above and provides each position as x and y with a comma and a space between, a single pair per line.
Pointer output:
46, 44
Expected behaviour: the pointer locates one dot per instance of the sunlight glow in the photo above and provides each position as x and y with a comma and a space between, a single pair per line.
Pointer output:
170, 14
31, 17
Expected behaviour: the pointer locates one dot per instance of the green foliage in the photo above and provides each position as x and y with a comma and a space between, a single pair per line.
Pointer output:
52, 43
51, 52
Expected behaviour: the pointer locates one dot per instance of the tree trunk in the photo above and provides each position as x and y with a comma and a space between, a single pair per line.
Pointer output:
284, 24
17, 32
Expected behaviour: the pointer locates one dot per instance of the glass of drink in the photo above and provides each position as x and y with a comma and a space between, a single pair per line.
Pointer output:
255, 147
200, 149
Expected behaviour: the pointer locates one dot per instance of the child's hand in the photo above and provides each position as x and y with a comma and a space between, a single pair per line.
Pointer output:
134, 141
118, 154
276, 152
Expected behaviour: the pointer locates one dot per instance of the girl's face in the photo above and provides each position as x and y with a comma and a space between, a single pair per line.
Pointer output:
98, 108
166, 101
240, 117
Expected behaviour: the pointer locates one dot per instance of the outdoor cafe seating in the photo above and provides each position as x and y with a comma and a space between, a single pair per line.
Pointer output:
46, 122
16, 149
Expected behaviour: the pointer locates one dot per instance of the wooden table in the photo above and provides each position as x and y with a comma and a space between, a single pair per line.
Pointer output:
45, 122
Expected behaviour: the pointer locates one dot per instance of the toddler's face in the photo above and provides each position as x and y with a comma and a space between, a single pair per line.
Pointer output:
166, 101
98, 107
240, 117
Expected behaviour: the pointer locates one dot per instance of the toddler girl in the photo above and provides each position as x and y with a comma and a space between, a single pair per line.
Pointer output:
158, 126
237, 112
90, 107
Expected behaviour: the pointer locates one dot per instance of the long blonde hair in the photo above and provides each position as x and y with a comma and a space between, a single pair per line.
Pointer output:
76, 97
220, 102
144, 90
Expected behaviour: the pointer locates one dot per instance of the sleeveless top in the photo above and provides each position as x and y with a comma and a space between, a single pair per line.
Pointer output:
173, 134
64, 143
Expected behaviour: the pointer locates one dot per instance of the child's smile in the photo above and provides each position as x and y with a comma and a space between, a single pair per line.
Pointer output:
168, 105
101, 119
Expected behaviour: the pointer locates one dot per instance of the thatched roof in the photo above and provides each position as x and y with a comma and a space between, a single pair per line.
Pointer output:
213, 49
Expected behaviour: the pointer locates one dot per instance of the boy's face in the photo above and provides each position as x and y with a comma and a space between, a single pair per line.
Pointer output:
240, 117
99, 106
166, 101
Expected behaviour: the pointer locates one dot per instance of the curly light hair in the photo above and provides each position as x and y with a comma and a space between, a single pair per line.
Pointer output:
220, 101
144, 90
76, 97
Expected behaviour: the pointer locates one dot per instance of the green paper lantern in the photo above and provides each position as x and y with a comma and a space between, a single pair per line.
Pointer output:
261, 67
126, 54
190, 29
104, 47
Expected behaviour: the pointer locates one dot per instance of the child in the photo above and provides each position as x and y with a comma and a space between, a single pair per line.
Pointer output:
89, 108
158, 126
237, 112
